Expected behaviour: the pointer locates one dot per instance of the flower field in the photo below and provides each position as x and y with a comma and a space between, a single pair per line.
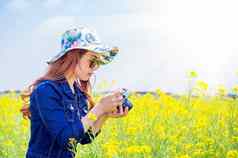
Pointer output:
159, 126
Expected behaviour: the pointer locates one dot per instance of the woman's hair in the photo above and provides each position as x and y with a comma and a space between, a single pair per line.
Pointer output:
66, 65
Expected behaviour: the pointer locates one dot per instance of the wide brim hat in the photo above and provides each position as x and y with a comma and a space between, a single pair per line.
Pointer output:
87, 39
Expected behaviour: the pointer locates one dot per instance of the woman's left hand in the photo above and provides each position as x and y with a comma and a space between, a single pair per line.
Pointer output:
118, 113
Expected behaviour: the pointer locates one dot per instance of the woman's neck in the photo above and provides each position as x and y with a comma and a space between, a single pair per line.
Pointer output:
70, 81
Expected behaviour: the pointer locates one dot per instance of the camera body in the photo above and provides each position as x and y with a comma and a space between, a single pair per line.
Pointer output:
125, 101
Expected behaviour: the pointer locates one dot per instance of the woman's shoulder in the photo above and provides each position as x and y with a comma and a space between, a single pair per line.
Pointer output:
46, 86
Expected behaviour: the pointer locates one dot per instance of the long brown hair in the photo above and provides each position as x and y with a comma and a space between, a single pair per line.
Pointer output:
66, 65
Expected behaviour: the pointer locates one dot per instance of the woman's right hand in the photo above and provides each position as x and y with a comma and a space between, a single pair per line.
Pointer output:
110, 102
106, 105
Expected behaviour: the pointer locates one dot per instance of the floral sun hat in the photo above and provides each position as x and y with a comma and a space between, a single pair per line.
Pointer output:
84, 38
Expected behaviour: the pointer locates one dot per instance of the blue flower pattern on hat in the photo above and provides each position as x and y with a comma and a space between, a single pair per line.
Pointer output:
84, 38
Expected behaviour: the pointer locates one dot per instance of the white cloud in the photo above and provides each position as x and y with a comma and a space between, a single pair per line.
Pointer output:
56, 24
48, 33
18, 5
53, 3
133, 21
142, 6
119, 22
159, 43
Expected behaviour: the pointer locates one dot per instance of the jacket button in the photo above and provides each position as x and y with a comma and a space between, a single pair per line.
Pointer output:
71, 107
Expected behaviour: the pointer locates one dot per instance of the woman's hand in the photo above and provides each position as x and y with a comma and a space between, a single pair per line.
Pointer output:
117, 113
110, 102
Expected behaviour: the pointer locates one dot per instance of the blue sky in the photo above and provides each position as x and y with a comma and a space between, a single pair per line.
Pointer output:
159, 40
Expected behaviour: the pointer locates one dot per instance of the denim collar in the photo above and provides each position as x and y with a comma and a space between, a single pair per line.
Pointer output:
67, 90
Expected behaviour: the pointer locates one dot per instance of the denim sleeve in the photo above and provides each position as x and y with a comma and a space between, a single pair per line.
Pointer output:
52, 115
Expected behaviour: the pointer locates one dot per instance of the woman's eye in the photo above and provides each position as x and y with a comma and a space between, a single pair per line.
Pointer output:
92, 63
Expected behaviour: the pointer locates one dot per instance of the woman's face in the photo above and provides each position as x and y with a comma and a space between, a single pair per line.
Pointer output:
86, 67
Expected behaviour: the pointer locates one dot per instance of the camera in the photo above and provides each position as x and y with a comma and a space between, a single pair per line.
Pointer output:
125, 101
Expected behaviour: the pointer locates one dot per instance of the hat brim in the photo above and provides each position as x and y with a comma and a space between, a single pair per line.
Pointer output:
106, 53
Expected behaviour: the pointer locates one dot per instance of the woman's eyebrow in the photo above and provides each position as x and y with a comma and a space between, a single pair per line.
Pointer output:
94, 56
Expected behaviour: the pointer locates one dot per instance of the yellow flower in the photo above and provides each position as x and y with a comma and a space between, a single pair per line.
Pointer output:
202, 85
235, 89
221, 90
146, 149
111, 148
8, 143
132, 149
138, 149
188, 147
184, 156
132, 130
232, 154
160, 131
192, 74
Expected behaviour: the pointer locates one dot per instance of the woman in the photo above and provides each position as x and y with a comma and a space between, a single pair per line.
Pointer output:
62, 111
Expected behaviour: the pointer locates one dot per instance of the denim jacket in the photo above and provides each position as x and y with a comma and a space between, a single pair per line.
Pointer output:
56, 126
